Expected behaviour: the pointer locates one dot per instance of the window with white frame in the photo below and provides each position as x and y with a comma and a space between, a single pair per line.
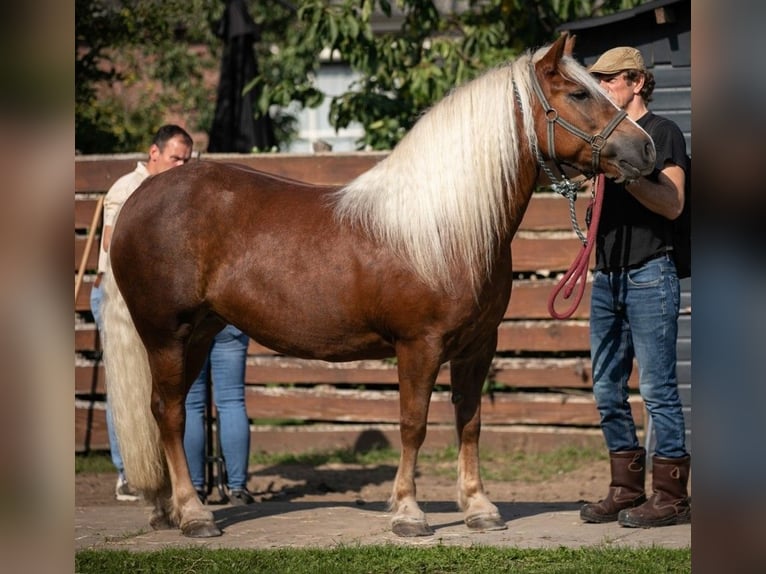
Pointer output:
333, 79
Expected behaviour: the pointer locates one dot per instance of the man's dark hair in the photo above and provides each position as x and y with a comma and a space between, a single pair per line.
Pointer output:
648, 89
168, 132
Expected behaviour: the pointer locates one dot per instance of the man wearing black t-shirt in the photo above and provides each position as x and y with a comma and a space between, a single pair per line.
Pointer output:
634, 313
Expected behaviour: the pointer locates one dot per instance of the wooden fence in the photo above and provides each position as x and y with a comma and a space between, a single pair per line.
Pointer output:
541, 387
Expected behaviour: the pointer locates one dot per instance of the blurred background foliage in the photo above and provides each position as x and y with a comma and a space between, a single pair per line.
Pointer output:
141, 63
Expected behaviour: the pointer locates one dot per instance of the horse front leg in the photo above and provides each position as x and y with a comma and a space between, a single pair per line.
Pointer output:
418, 367
467, 379
168, 406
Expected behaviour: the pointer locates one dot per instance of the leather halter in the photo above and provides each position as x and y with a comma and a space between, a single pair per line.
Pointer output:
562, 185
596, 141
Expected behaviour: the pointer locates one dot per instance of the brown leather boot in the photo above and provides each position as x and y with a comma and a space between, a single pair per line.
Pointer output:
626, 489
669, 503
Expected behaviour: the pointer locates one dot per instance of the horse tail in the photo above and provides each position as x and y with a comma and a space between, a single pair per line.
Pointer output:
129, 386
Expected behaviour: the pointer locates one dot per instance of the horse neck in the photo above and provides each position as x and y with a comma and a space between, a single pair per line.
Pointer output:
519, 197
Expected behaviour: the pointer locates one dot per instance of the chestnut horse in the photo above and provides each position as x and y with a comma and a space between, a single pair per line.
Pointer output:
411, 259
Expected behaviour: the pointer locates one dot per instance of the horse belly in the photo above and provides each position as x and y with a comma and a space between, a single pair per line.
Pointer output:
310, 335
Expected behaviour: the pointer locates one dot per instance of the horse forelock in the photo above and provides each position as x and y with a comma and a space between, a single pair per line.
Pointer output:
571, 69
444, 195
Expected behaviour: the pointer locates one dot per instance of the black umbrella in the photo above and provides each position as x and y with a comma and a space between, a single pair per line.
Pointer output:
235, 128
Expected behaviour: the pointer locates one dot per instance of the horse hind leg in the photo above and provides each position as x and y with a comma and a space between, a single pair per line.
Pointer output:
467, 379
182, 507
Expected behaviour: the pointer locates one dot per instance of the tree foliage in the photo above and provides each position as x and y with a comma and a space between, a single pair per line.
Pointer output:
404, 72
139, 61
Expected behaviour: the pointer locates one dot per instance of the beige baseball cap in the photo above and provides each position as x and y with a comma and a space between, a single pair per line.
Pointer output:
617, 60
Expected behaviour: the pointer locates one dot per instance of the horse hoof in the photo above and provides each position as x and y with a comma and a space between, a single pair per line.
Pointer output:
484, 522
200, 529
410, 529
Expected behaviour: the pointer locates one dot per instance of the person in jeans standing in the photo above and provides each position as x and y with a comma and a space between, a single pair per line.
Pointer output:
226, 365
171, 147
635, 303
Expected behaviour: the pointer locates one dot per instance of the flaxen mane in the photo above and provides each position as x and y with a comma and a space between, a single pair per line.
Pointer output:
442, 197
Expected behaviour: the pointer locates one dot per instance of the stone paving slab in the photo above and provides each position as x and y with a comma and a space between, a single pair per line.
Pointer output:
281, 524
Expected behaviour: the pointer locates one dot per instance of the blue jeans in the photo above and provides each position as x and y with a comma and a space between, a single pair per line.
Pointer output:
634, 313
96, 294
227, 365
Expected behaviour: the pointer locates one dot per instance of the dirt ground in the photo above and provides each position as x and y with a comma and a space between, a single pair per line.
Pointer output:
367, 483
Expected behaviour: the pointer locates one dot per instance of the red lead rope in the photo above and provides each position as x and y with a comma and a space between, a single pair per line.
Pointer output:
577, 274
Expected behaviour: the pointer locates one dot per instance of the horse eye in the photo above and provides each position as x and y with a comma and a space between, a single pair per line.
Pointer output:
580, 95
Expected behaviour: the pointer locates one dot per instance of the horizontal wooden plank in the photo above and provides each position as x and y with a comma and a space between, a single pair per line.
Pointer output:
83, 213
311, 438
543, 336
90, 431
529, 300
86, 338
98, 173
89, 378
535, 254
383, 407
520, 336
550, 212
91, 263
506, 374
513, 336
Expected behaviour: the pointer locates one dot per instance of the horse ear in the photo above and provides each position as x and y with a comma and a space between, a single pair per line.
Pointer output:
549, 63
569, 44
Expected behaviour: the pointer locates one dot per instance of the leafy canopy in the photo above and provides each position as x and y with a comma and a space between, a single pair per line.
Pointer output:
140, 63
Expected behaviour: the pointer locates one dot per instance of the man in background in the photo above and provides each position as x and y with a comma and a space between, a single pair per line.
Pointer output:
171, 147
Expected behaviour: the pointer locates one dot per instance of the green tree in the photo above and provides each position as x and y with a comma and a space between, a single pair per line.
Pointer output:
404, 72
137, 61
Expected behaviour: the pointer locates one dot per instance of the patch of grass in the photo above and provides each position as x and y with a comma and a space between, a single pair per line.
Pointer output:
389, 559
318, 458
507, 466
533, 467
93, 462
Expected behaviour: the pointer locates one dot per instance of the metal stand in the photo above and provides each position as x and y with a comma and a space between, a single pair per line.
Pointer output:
215, 464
